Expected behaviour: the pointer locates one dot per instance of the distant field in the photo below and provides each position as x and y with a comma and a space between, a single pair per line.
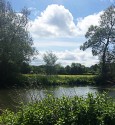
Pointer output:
89, 75
77, 76
60, 79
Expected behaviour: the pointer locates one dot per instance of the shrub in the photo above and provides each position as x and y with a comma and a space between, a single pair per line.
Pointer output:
99, 110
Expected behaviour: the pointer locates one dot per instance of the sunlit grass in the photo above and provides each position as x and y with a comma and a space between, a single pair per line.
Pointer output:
77, 76
59, 79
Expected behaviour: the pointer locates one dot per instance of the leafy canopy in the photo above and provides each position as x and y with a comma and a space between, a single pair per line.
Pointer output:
15, 40
101, 38
50, 60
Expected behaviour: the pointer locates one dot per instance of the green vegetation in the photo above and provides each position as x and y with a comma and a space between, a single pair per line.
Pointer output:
15, 42
99, 110
58, 69
31, 79
16, 51
101, 39
50, 62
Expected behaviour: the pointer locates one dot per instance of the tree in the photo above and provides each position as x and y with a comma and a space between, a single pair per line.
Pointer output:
15, 40
60, 69
94, 69
68, 69
77, 68
25, 68
50, 61
102, 39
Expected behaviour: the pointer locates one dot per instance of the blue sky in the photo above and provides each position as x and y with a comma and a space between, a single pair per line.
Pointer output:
60, 26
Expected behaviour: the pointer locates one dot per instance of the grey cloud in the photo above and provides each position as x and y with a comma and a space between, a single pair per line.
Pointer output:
69, 57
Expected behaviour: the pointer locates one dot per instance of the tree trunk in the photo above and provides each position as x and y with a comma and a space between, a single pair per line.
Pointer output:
104, 71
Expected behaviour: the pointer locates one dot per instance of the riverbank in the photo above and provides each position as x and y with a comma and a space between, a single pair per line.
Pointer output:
57, 79
64, 111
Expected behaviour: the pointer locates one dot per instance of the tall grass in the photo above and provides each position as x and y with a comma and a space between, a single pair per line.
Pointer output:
99, 110
58, 79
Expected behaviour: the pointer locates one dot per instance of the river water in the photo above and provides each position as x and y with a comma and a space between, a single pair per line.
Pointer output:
10, 98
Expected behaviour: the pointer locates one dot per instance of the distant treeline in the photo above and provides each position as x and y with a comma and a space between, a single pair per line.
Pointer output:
73, 69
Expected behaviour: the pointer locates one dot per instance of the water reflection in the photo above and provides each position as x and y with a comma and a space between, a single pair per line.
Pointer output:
11, 98
72, 91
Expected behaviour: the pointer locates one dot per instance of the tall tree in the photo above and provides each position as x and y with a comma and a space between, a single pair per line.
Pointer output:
50, 60
102, 38
15, 40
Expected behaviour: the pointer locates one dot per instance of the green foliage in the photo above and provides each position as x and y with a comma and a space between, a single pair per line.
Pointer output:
15, 41
77, 68
101, 39
74, 69
99, 110
50, 62
57, 79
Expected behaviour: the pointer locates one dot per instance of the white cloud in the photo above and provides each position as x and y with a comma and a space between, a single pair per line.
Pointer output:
57, 44
66, 57
57, 21
84, 23
54, 21
77, 56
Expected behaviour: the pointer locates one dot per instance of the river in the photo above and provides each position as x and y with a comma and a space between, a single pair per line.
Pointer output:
10, 98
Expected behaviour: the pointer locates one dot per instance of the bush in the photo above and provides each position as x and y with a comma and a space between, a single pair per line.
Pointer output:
99, 110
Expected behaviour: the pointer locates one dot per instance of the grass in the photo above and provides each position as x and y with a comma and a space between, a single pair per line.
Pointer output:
77, 76
58, 79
